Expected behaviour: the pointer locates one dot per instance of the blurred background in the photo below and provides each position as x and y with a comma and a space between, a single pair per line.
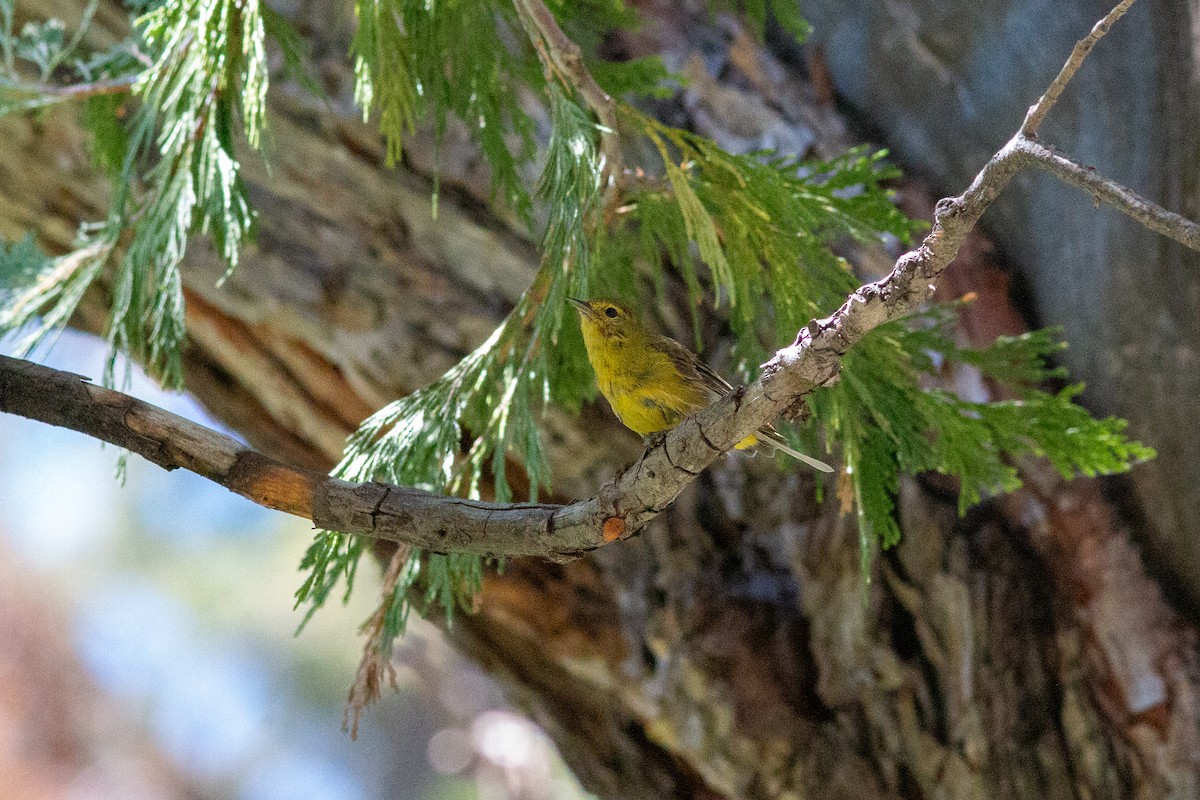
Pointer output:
147, 646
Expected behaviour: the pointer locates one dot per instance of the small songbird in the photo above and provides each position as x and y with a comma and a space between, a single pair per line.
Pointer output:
652, 382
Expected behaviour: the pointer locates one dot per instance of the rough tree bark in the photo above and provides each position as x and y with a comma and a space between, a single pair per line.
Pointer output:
1129, 301
727, 652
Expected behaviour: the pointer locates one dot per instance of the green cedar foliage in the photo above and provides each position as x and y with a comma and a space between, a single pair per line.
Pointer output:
753, 232
492, 398
785, 13
177, 176
416, 60
887, 424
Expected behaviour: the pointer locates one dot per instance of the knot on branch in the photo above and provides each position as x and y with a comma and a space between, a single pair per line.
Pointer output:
798, 411
737, 394
614, 528
947, 208
812, 331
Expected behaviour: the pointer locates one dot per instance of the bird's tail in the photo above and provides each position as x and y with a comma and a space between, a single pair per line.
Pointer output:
775, 440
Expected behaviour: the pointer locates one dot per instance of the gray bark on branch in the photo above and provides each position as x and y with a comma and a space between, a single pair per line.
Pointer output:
730, 654
642, 491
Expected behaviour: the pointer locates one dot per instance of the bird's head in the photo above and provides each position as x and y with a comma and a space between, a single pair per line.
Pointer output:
606, 318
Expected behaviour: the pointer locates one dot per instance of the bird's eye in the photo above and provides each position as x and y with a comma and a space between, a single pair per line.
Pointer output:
610, 312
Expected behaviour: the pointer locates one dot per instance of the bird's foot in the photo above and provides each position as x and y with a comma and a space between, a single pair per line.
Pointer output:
652, 440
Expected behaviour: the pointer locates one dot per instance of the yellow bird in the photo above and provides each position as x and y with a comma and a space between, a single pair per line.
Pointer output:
652, 382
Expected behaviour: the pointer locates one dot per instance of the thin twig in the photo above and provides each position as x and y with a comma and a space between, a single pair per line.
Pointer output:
85, 22
375, 665
59, 274
1149, 214
104, 86
6, 36
1037, 112
444, 524
563, 59
75, 90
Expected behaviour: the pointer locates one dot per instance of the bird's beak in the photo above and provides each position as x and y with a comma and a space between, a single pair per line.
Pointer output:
581, 306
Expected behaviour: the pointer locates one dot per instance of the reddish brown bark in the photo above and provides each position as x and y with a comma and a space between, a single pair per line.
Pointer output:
1022, 651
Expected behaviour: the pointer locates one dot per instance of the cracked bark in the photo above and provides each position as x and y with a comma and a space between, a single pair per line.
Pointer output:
1128, 301
1020, 652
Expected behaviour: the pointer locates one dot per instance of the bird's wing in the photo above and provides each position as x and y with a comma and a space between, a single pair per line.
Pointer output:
696, 371
690, 366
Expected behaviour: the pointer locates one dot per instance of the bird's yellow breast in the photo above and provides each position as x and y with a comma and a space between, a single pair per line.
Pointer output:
643, 386
652, 382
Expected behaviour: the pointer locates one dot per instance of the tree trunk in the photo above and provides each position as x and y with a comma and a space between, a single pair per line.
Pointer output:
732, 650
1127, 299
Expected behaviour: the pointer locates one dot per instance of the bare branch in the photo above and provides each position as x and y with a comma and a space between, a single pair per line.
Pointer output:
376, 664
78, 90
397, 513
1037, 112
440, 524
1149, 214
562, 57
74, 91
170, 441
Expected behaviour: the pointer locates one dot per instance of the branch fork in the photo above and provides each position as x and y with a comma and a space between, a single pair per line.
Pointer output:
651, 484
